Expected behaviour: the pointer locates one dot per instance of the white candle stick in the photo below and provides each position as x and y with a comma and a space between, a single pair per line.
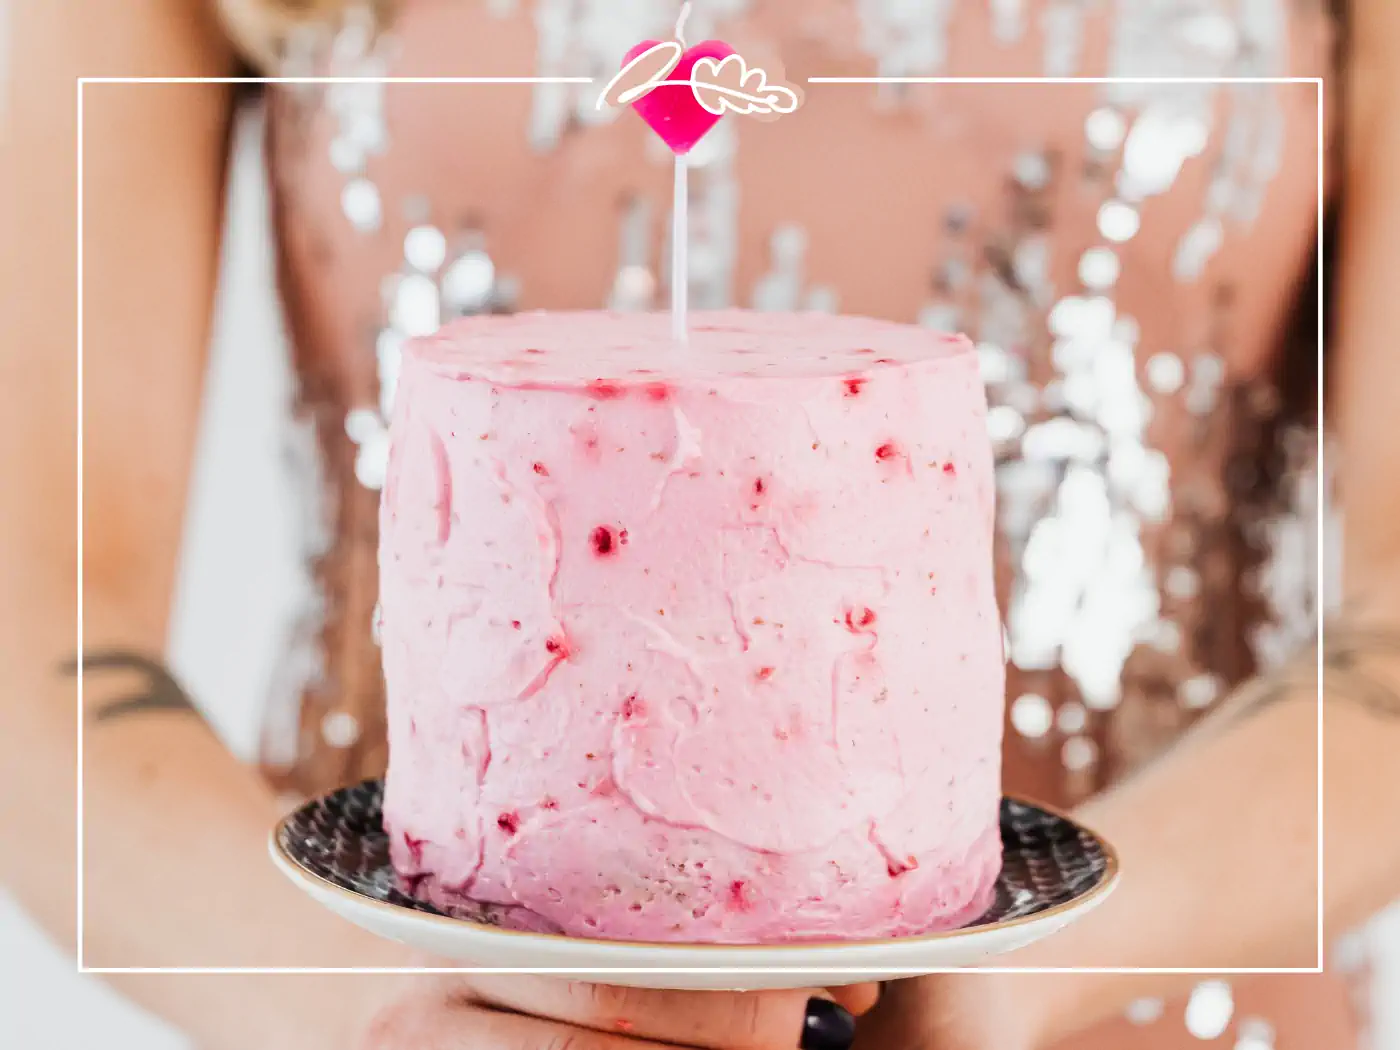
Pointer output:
680, 23
680, 262
680, 224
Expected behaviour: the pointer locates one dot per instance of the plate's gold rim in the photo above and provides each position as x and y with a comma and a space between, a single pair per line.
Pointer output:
293, 869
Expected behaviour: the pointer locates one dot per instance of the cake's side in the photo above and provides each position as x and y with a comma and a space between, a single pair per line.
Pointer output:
695, 659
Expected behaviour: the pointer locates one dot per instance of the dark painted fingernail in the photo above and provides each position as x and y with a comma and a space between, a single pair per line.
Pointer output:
827, 1026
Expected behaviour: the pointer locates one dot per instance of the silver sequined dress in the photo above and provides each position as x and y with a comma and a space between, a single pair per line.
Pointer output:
1126, 256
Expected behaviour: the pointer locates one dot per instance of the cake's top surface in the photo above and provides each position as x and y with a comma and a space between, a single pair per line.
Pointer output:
564, 348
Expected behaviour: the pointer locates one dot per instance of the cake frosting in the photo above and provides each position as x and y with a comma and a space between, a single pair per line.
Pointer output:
692, 643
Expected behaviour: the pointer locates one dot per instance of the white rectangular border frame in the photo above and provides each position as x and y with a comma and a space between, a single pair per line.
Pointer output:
82, 83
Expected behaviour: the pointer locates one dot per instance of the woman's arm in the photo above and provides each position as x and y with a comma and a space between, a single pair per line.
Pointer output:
1368, 373
1219, 847
176, 869
1219, 839
176, 866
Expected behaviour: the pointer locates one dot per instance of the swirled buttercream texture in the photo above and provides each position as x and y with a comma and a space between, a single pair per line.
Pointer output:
693, 643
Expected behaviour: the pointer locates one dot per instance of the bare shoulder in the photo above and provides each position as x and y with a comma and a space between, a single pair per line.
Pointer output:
140, 37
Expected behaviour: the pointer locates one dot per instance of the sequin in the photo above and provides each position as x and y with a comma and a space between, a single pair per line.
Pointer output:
781, 287
1118, 221
1105, 128
1079, 753
998, 366
425, 248
1034, 638
416, 309
789, 243
1212, 33
1165, 372
506, 294
1062, 439
1080, 392
1209, 1010
366, 129
1004, 423
634, 288
1182, 583
941, 317
1255, 1033
1160, 142
587, 38
467, 283
1004, 313
1030, 261
956, 273
372, 461
367, 431
1086, 318
359, 200
1288, 581
906, 37
1032, 170
417, 209
346, 156
634, 284
340, 729
1071, 718
1145, 1011
1200, 400
1199, 691
1150, 490
1099, 268
1207, 376
1031, 715
957, 218
361, 424
1120, 407
1008, 20
357, 109
388, 350
1062, 26
1166, 637
821, 299
1196, 248
352, 39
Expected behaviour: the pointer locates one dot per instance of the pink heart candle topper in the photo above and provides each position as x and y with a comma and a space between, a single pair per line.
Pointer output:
671, 107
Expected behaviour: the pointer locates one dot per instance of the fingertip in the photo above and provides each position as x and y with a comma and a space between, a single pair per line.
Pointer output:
859, 999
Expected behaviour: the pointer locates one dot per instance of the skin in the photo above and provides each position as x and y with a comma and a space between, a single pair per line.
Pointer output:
175, 865
488, 1012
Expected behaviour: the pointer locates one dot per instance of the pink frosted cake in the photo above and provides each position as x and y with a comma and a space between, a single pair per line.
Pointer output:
693, 644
